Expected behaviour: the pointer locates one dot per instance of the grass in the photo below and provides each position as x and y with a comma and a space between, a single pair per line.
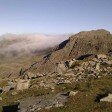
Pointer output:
8, 98
14, 65
84, 101
3, 83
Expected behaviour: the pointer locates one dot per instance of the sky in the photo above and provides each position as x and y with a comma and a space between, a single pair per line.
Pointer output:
54, 16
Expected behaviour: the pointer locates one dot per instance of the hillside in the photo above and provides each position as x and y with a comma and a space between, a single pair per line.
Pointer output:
86, 42
20, 50
79, 68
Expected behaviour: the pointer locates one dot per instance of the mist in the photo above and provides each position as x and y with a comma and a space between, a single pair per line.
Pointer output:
28, 44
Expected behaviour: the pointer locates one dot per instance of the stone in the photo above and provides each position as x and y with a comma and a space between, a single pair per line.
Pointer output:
71, 62
12, 84
73, 93
102, 56
23, 84
59, 104
92, 63
52, 88
48, 107
14, 93
30, 75
61, 67
40, 75
67, 81
98, 66
107, 99
69, 74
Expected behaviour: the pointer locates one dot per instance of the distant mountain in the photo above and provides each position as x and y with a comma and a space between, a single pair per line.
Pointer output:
86, 42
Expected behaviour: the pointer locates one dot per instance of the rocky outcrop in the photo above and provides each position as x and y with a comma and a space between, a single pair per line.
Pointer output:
66, 73
61, 67
82, 44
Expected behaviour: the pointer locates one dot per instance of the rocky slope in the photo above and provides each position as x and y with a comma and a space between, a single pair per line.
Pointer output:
54, 89
79, 68
19, 51
87, 42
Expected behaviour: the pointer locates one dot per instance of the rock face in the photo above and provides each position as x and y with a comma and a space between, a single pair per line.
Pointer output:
70, 71
63, 66
96, 67
23, 84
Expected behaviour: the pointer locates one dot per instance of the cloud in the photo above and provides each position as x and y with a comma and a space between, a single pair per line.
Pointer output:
17, 45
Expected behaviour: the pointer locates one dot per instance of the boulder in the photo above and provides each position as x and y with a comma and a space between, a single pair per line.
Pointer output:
23, 84
61, 67
71, 62
107, 99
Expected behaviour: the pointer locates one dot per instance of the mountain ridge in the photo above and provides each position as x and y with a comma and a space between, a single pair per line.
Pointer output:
82, 43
